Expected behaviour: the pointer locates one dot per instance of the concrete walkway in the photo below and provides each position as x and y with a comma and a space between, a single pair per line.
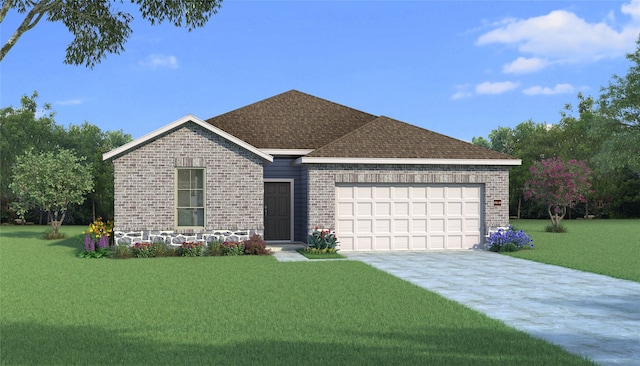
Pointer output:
587, 314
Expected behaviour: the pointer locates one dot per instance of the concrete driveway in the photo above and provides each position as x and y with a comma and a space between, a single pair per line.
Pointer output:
587, 314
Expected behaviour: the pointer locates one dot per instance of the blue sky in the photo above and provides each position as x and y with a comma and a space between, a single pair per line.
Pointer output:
461, 68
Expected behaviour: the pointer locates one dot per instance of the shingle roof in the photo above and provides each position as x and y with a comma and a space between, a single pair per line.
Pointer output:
389, 138
291, 120
298, 121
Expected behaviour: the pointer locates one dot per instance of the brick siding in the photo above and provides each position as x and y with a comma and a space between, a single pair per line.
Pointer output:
145, 182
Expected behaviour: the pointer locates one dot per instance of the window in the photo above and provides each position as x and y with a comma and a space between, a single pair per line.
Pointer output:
190, 197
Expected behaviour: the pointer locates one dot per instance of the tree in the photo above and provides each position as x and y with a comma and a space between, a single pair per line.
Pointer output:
620, 108
21, 130
558, 184
98, 26
51, 181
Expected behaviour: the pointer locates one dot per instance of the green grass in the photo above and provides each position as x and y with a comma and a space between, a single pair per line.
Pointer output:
60, 309
320, 255
609, 247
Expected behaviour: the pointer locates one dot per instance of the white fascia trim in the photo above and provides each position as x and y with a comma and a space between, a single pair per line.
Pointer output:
406, 161
181, 121
289, 152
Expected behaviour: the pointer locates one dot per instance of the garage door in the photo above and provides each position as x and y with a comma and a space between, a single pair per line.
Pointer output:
407, 217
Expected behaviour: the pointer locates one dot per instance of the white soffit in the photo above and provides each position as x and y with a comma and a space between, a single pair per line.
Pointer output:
188, 118
407, 161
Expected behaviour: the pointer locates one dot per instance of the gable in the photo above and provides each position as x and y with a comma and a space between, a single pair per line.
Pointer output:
126, 148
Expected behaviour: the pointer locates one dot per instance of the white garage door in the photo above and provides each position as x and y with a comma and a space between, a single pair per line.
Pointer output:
407, 217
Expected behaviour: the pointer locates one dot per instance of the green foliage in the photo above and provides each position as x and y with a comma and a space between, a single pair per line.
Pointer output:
121, 252
559, 228
322, 239
313, 253
102, 27
52, 235
51, 181
214, 248
231, 248
191, 249
142, 250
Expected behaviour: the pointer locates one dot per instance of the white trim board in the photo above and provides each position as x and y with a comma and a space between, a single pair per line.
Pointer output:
186, 119
406, 161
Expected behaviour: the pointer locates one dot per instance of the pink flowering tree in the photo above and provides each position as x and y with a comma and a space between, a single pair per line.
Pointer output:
558, 184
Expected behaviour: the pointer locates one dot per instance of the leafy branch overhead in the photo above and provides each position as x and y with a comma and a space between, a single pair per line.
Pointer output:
99, 27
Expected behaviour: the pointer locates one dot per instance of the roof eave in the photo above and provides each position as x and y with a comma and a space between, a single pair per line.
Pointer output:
188, 118
406, 161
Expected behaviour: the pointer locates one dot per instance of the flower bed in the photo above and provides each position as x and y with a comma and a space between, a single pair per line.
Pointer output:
509, 240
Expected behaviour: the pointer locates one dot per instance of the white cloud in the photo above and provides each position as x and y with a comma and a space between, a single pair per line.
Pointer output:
563, 37
158, 61
495, 88
558, 89
523, 65
69, 102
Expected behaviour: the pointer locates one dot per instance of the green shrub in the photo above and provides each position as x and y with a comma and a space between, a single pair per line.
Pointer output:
161, 249
142, 250
256, 246
191, 249
52, 235
555, 229
322, 239
121, 252
214, 248
232, 248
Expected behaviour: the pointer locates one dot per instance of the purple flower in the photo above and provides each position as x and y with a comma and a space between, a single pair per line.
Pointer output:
88, 243
104, 241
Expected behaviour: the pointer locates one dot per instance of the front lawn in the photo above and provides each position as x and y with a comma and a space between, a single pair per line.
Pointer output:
60, 309
609, 247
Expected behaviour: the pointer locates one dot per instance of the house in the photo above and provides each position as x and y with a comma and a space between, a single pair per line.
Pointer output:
287, 164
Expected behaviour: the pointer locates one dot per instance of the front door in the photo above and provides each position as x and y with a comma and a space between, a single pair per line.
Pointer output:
277, 211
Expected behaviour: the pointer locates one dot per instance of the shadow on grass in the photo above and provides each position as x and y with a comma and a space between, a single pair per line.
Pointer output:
38, 344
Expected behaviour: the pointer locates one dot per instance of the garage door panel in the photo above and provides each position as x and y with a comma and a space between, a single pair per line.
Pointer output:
364, 209
401, 208
419, 209
407, 216
364, 243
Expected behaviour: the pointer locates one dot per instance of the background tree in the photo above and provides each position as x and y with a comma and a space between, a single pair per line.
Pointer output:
99, 27
558, 185
51, 181
620, 111
20, 131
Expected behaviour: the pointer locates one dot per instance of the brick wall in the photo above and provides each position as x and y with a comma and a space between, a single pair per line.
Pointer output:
322, 180
145, 182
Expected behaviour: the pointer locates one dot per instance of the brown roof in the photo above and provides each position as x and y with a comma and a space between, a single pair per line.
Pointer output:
295, 120
291, 120
389, 138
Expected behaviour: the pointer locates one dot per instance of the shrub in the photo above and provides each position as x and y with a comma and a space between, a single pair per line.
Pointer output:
323, 239
99, 228
555, 229
320, 251
215, 248
142, 250
93, 249
509, 240
191, 249
121, 252
256, 246
161, 249
52, 235
231, 248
